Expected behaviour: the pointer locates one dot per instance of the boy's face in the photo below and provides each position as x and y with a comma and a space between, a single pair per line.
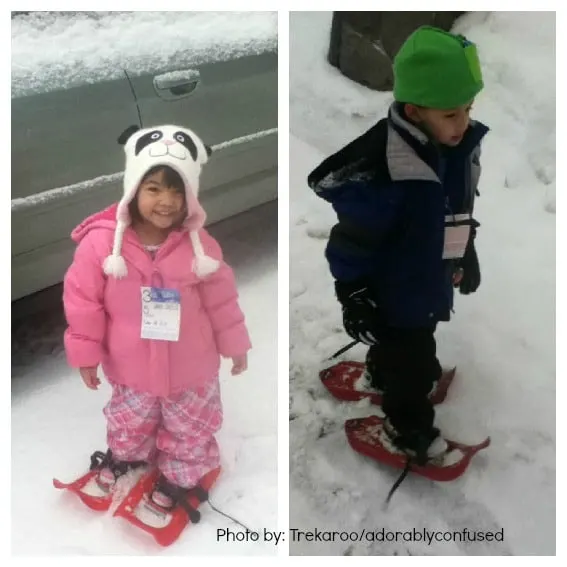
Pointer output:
447, 127
161, 206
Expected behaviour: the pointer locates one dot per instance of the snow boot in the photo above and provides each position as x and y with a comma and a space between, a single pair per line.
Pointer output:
166, 496
420, 446
110, 469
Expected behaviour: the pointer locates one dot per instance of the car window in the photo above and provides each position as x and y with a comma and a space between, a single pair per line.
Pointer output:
57, 50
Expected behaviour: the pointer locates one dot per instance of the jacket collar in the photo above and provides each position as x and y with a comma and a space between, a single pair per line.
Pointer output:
410, 153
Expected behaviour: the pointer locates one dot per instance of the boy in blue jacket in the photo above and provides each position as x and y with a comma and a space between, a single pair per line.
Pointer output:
404, 196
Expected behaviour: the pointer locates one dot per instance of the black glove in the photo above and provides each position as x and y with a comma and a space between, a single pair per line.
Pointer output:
470, 266
361, 315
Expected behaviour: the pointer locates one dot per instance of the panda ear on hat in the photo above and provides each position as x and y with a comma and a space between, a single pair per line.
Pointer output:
123, 138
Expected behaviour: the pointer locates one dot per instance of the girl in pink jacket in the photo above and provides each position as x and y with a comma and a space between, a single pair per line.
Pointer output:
149, 298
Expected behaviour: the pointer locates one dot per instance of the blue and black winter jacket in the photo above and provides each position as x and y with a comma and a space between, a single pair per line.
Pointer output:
393, 191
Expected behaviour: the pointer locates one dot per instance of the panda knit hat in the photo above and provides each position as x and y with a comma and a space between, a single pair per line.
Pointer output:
182, 150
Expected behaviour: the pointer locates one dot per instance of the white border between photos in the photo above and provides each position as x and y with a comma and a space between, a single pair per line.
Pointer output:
283, 280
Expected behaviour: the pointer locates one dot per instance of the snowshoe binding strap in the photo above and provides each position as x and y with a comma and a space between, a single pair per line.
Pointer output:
200, 493
100, 460
179, 497
343, 349
415, 445
194, 515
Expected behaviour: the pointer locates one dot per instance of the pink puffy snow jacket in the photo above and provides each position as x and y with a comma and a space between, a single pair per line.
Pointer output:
104, 314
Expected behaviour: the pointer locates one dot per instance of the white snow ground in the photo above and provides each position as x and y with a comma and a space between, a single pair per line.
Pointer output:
57, 423
502, 337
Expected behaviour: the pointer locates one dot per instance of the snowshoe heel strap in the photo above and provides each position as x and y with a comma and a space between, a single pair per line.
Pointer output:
200, 493
194, 515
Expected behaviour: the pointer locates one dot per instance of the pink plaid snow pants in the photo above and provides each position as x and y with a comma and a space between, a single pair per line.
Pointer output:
177, 433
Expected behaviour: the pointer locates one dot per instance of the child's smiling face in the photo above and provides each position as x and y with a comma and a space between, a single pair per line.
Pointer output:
160, 204
447, 127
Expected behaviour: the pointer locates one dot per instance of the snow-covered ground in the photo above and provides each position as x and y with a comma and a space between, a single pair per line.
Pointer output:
57, 423
502, 337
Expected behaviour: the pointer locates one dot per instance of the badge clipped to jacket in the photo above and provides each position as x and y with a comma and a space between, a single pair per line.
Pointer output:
457, 232
161, 314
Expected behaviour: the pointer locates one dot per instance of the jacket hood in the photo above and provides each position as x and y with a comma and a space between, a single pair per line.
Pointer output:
356, 162
105, 220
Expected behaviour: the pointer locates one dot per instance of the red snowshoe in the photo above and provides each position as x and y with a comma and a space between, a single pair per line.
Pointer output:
165, 526
89, 489
366, 436
345, 381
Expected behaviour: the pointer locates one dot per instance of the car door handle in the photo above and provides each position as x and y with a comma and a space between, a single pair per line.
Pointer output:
177, 83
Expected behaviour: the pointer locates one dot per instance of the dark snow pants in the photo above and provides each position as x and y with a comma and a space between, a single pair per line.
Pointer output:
404, 365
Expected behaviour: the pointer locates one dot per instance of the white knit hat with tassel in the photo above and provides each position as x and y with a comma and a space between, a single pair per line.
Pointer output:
182, 150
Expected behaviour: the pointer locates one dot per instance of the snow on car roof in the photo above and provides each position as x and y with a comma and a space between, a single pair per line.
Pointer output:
54, 50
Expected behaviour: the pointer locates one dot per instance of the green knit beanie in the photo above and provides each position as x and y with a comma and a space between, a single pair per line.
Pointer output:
437, 69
